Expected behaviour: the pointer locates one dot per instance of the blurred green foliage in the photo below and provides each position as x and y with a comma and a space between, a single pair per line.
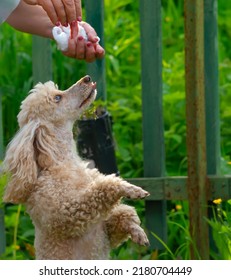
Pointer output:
221, 225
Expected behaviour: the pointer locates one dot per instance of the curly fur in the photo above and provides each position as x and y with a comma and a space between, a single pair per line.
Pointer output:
76, 211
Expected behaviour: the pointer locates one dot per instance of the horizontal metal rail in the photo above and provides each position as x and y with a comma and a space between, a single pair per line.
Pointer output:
175, 188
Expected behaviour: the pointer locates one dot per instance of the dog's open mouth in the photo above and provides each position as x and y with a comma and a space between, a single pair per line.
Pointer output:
89, 95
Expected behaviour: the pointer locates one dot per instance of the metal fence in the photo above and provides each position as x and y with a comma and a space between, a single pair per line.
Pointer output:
203, 183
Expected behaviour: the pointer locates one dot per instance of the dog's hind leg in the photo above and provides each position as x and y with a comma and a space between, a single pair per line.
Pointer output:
124, 223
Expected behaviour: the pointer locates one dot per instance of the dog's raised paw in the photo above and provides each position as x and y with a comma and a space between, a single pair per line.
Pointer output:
134, 192
139, 236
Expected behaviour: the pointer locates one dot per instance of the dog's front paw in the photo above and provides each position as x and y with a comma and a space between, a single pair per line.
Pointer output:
134, 192
139, 236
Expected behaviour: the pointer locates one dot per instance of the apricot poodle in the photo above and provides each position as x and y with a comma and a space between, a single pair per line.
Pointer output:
76, 210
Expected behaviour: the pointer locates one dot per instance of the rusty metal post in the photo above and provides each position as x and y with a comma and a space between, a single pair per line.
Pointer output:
196, 134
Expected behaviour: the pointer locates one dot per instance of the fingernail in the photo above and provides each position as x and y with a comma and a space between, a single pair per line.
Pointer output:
89, 44
57, 23
80, 38
79, 18
96, 39
65, 24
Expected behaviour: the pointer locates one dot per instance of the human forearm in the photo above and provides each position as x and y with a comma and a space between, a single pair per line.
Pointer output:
31, 19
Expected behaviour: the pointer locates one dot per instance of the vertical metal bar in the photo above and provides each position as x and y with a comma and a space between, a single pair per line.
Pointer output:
212, 96
211, 87
153, 131
2, 226
95, 17
42, 59
195, 118
1, 129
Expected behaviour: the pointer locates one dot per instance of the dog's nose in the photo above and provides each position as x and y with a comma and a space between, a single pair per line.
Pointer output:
87, 79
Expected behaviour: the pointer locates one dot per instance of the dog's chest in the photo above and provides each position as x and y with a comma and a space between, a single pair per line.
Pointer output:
93, 245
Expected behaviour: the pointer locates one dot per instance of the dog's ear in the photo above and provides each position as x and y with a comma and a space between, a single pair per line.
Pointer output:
48, 147
20, 162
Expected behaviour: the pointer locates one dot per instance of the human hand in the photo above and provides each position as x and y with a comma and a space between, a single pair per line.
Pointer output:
79, 48
64, 11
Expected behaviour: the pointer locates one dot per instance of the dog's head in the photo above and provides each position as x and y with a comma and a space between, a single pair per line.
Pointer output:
36, 145
47, 103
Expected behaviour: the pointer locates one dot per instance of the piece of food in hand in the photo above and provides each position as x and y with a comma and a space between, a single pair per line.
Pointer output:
62, 34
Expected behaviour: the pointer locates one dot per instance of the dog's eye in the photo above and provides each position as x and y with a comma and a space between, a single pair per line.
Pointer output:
58, 98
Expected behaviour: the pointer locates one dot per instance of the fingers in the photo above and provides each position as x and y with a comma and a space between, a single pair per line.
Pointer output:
64, 11
74, 29
93, 38
51, 9
100, 52
90, 31
71, 52
79, 49
90, 52
78, 9
73, 10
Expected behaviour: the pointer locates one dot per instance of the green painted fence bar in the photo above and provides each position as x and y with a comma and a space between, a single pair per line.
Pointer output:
95, 16
2, 227
212, 96
211, 87
1, 129
175, 188
195, 119
153, 129
42, 59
